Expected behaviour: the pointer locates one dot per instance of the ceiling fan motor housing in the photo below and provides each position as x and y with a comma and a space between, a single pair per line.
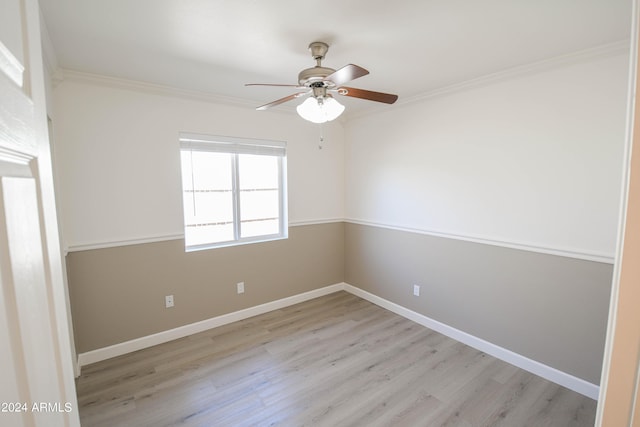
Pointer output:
313, 75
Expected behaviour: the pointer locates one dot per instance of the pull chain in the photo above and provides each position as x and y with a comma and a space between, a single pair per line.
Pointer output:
321, 136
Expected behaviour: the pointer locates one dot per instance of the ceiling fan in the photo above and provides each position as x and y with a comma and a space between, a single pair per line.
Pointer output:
321, 83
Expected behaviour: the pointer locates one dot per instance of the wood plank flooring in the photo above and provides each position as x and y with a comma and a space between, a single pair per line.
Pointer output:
333, 361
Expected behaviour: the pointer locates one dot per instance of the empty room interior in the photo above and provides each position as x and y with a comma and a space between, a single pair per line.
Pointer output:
441, 253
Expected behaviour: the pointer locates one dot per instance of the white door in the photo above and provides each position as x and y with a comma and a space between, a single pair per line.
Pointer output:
36, 380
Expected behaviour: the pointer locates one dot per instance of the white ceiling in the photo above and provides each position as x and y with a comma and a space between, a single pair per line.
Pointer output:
411, 47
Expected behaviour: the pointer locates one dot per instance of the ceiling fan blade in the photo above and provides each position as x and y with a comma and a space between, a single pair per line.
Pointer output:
271, 84
387, 98
346, 74
281, 101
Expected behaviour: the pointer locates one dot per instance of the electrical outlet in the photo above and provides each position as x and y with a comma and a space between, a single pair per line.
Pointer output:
168, 301
240, 287
416, 290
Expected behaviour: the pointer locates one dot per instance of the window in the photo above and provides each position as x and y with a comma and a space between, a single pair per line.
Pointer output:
234, 190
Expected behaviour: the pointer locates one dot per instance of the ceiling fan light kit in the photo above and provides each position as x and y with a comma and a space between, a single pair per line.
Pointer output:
320, 110
319, 84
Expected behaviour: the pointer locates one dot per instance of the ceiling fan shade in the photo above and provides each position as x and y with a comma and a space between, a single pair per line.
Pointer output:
321, 106
320, 110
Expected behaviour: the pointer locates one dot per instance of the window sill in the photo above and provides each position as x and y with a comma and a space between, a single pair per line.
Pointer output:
260, 239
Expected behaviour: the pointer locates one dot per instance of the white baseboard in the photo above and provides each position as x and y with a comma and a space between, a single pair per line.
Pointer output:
547, 372
119, 349
554, 375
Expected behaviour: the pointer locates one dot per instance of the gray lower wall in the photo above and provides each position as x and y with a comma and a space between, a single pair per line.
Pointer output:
117, 294
548, 308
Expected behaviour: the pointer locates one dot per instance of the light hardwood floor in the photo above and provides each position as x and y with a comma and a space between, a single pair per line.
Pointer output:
337, 360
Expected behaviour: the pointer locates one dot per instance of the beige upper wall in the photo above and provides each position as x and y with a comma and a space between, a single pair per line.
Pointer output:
536, 159
118, 163
532, 158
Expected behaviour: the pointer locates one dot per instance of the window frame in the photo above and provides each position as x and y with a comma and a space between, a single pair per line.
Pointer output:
234, 146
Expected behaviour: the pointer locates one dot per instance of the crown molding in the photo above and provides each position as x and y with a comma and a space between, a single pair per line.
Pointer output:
602, 51
60, 75
152, 88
